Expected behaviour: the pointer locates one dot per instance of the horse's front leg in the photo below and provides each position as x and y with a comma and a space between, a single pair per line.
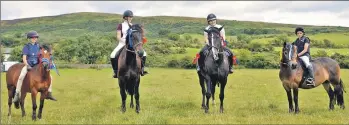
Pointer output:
295, 99
208, 94
203, 91
138, 107
42, 100
221, 94
23, 95
34, 93
290, 102
123, 95
213, 89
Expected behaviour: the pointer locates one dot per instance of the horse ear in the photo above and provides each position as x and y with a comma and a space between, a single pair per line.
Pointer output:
284, 44
219, 29
206, 30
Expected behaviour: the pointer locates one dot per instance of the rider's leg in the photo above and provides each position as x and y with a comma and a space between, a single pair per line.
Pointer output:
144, 57
19, 83
308, 65
114, 60
49, 96
230, 59
201, 54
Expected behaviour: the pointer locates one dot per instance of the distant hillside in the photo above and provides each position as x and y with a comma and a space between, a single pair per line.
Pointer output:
73, 25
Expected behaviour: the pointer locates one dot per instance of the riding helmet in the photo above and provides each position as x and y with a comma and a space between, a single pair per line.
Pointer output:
32, 34
128, 13
211, 17
299, 29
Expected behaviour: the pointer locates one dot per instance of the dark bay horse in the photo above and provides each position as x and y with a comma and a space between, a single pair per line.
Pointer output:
129, 67
326, 72
214, 67
37, 80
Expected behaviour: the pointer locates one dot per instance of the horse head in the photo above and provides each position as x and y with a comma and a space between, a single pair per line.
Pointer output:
134, 39
215, 42
45, 57
289, 55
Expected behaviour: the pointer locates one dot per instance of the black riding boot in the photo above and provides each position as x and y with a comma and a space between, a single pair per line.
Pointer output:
231, 70
310, 80
114, 64
143, 65
50, 97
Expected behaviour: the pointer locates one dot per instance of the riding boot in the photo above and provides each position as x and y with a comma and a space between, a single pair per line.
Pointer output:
231, 70
143, 65
230, 59
310, 79
50, 97
114, 64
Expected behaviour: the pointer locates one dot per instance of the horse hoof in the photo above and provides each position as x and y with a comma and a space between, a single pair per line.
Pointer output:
23, 115
131, 106
343, 107
39, 116
290, 111
221, 111
34, 118
206, 110
296, 111
203, 107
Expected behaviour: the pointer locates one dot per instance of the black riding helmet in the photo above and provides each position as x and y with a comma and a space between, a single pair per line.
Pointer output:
211, 17
299, 29
127, 13
32, 34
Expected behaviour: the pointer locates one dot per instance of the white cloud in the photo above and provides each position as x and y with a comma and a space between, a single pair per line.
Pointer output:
333, 13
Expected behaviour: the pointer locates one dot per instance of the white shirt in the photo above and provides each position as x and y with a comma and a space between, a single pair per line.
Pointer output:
124, 29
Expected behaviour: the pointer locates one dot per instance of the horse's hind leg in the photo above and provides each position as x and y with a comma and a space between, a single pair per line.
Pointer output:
214, 82
203, 91
338, 93
131, 104
123, 95
10, 96
330, 93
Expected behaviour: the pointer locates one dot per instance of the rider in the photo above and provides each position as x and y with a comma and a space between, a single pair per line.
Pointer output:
30, 59
121, 32
303, 52
212, 21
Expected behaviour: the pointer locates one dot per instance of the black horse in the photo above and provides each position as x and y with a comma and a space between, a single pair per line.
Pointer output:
214, 67
129, 68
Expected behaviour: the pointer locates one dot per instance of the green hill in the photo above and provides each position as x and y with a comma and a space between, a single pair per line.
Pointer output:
53, 28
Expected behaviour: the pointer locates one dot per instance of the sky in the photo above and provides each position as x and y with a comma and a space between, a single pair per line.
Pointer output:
324, 13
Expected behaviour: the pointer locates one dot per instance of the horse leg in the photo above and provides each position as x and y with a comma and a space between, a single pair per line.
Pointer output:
123, 95
34, 92
208, 94
138, 107
295, 99
42, 100
202, 84
338, 93
214, 82
290, 103
11, 91
23, 95
131, 104
330, 94
221, 94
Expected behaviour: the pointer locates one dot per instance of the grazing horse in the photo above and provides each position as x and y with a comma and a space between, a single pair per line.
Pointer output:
293, 75
37, 80
214, 67
129, 67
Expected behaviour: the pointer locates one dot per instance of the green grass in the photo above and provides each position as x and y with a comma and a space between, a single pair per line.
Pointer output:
173, 96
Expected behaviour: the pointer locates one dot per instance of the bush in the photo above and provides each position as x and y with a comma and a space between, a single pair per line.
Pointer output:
173, 36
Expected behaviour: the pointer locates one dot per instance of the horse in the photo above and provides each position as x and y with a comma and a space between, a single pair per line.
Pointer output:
293, 75
37, 80
129, 68
214, 68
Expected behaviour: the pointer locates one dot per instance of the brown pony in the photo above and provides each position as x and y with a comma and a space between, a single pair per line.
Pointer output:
37, 80
326, 71
129, 68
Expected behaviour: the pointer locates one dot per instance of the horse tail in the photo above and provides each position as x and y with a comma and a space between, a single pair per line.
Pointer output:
338, 92
342, 85
13, 93
130, 88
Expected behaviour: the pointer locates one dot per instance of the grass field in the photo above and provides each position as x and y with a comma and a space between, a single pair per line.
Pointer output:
173, 96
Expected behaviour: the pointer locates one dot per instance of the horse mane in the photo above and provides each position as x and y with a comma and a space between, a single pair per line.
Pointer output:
137, 27
45, 47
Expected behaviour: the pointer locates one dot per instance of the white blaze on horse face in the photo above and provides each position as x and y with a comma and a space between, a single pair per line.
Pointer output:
289, 53
45, 51
213, 48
